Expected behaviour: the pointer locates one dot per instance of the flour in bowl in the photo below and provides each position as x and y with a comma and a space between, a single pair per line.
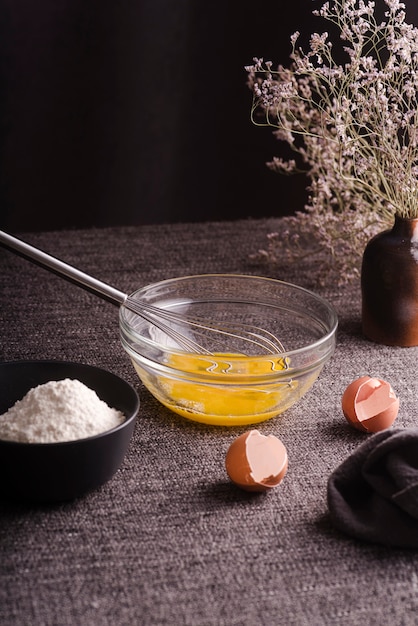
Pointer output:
62, 410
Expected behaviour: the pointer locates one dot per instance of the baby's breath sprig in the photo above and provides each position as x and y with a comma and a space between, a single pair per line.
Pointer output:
351, 123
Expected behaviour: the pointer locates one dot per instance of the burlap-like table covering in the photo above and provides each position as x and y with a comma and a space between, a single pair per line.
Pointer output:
169, 540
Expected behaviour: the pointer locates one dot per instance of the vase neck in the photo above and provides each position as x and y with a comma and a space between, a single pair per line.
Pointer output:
406, 227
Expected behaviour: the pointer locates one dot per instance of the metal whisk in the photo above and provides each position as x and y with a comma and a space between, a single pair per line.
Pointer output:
161, 318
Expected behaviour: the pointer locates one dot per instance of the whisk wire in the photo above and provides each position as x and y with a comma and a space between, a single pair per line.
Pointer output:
190, 345
255, 335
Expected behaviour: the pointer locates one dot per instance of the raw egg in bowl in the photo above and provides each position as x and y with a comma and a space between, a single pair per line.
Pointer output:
231, 381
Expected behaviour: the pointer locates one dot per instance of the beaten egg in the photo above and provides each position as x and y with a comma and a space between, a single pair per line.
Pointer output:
224, 388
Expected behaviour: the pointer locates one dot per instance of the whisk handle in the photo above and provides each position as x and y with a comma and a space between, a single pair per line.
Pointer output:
62, 269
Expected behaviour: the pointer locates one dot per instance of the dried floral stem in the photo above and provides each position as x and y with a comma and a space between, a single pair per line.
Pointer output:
352, 125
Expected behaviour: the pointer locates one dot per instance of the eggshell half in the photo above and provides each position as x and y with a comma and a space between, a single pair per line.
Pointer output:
370, 404
256, 462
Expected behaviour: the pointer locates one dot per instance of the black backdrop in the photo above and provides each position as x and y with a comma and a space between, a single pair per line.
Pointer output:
137, 111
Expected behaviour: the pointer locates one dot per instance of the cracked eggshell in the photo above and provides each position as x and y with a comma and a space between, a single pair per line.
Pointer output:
370, 404
256, 462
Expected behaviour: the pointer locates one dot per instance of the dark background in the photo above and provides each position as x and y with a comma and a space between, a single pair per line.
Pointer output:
137, 111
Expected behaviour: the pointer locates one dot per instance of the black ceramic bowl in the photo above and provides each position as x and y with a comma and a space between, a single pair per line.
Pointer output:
55, 472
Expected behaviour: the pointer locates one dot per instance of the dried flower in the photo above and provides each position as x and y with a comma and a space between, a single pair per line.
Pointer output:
349, 113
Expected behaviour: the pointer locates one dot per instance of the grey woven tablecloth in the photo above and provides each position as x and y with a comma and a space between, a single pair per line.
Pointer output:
169, 540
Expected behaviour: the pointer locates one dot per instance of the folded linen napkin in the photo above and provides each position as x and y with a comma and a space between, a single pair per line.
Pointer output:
373, 495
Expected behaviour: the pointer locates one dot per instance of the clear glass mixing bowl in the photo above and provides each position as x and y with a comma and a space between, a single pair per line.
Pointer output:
236, 382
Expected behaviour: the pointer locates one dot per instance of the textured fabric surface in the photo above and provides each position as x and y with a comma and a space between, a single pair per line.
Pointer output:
169, 540
373, 494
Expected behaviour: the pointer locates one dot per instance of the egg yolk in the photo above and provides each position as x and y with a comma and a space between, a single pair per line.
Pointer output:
231, 397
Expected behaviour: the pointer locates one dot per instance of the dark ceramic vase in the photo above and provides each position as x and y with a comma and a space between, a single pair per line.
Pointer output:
389, 285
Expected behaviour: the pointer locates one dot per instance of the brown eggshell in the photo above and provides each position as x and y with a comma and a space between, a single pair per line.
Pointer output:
370, 404
256, 462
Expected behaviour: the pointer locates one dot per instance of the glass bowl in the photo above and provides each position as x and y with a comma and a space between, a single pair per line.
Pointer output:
230, 382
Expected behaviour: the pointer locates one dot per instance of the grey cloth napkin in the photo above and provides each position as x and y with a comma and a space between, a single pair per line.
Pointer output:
373, 495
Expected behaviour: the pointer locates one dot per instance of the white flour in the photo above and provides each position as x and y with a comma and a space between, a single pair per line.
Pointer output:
62, 410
